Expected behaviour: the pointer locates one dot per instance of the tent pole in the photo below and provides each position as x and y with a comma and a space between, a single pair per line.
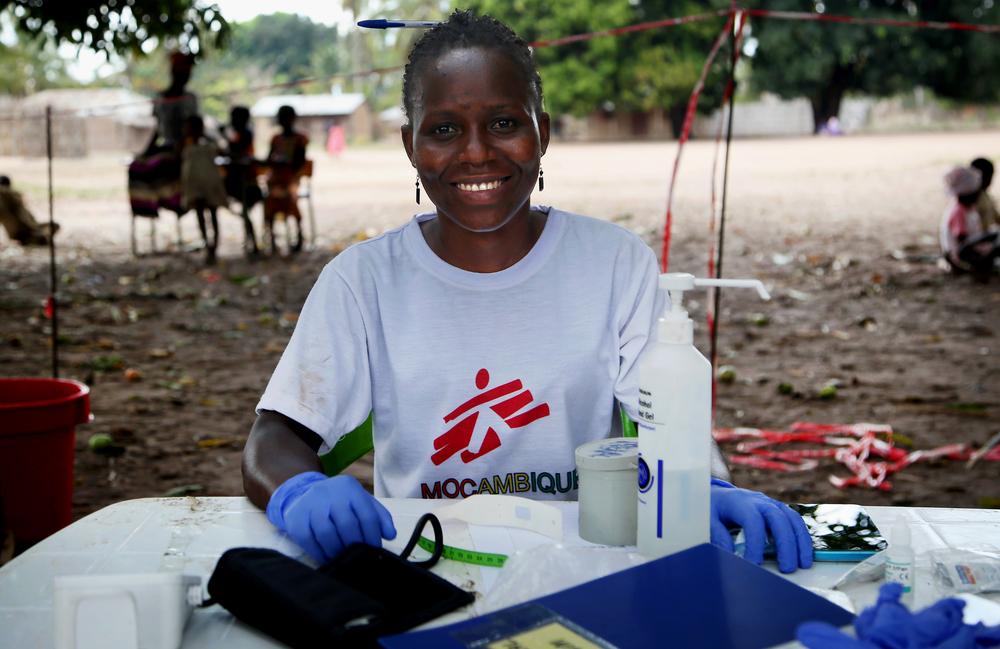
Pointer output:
53, 303
722, 215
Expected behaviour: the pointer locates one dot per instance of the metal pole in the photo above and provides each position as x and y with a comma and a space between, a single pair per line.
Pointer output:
53, 303
722, 215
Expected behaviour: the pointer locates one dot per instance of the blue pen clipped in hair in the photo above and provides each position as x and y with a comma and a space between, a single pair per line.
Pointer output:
382, 23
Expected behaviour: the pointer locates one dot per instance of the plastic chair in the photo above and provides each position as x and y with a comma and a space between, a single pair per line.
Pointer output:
144, 209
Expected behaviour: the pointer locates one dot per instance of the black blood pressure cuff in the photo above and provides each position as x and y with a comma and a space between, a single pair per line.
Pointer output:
361, 594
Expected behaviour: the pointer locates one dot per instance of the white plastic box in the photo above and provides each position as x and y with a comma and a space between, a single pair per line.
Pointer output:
146, 611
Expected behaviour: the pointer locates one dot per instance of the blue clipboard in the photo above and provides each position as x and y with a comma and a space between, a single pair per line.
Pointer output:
702, 597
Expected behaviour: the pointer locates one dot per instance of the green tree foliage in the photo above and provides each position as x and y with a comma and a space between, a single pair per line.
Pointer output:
265, 51
962, 65
119, 26
29, 65
663, 65
825, 61
272, 49
288, 45
579, 77
631, 72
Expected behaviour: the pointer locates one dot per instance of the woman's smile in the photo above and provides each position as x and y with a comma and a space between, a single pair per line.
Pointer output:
482, 185
477, 192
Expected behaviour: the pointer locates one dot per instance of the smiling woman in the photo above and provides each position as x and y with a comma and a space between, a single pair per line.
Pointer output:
488, 339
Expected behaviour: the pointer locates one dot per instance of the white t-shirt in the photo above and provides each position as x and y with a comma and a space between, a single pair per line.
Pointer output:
478, 382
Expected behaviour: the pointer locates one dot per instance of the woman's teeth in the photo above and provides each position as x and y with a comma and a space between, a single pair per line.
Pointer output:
479, 187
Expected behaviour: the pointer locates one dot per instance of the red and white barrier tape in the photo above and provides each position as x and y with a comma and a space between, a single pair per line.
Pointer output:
756, 462
783, 15
853, 445
685, 134
628, 29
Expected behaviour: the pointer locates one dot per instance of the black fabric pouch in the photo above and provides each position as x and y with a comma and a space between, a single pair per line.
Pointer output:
363, 593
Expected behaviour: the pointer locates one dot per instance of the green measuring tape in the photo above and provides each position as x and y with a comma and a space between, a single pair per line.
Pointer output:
488, 559
359, 442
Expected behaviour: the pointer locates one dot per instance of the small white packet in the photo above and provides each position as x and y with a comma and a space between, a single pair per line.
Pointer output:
965, 571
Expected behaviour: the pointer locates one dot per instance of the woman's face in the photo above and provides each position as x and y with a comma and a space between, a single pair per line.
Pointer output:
475, 138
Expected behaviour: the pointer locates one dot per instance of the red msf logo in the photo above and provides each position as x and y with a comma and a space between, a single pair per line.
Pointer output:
476, 438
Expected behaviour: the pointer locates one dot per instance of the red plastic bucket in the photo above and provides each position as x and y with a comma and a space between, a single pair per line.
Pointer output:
38, 419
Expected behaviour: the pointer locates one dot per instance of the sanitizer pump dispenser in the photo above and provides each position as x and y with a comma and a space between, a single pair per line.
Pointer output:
675, 426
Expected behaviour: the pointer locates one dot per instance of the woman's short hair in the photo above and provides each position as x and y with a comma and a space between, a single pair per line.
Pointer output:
465, 29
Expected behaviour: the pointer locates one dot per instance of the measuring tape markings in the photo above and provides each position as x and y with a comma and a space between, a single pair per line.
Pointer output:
488, 559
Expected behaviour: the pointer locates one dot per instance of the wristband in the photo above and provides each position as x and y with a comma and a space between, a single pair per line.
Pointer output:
288, 491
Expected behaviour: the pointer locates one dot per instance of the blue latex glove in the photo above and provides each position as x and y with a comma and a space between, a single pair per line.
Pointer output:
759, 515
325, 515
889, 625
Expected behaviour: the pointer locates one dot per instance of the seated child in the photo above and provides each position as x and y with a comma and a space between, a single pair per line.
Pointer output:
201, 183
241, 179
285, 160
965, 243
17, 219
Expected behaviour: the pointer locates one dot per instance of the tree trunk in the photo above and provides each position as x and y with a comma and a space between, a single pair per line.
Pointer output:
826, 103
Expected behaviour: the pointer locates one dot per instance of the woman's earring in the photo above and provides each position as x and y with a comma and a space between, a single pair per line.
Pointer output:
541, 179
418, 188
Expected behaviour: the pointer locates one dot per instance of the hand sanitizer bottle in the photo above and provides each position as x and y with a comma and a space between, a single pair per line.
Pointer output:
675, 427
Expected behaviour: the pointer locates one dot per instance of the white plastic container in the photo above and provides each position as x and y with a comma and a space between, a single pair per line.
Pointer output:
606, 470
675, 428
130, 611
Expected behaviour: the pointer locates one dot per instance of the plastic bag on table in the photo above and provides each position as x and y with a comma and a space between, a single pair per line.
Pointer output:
869, 570
550, 568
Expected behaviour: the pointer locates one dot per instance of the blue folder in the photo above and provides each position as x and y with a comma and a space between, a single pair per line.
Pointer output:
702, 597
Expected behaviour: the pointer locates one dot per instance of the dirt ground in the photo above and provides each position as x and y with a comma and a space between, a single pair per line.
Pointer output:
842, 230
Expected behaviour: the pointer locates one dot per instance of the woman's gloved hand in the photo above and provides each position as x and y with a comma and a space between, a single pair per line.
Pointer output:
890, 624
759, 516
325, 515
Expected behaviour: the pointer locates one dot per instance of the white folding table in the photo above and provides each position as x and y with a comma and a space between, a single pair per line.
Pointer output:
189, 534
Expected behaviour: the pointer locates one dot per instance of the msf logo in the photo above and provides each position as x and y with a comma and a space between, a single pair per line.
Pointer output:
475, 434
